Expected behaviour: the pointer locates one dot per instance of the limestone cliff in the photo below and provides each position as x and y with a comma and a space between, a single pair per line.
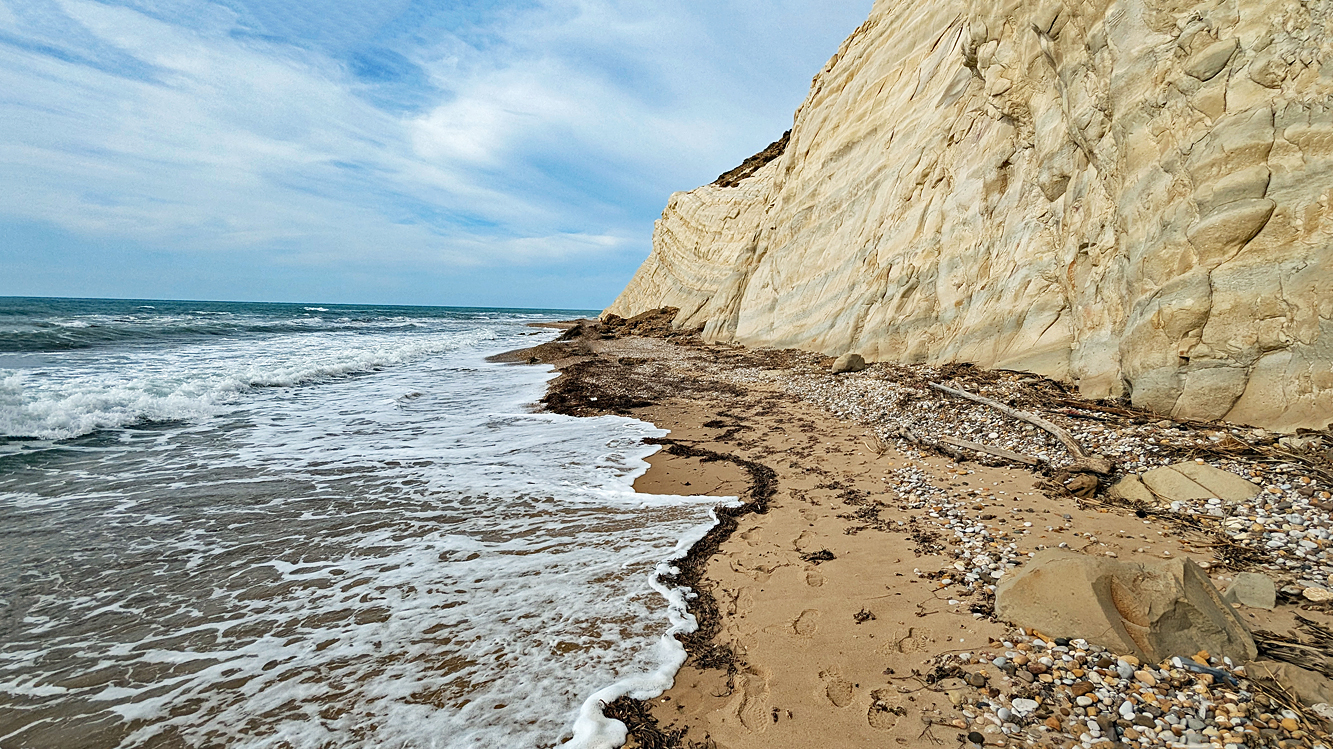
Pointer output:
1130, 195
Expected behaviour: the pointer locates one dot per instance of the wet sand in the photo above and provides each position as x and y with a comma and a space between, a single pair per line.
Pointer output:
824, 615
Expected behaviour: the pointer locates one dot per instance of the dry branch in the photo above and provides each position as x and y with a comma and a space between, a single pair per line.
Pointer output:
1083, 461
998, 452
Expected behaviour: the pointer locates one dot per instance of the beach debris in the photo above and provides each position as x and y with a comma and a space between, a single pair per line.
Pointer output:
863, 616
1253, 589
1082, 460
849, 363
815, 557
1310, 648
1309, 687
1152, 610
998, 452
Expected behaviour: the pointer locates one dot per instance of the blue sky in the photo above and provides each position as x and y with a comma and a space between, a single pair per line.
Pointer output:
505, 153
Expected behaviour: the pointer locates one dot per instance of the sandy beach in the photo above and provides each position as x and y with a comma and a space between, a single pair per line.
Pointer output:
843, 606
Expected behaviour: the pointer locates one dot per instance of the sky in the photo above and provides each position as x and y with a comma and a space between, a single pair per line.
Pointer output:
502, 153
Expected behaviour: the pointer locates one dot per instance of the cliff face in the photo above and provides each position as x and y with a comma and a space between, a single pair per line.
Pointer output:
1130, 195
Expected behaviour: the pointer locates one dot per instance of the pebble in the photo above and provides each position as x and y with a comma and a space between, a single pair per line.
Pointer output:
1287, 527
1166, 705
889, 398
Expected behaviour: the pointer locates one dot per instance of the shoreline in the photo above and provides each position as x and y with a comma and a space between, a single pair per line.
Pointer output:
800, 641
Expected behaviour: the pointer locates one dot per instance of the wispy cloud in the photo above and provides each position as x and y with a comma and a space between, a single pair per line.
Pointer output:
352, 139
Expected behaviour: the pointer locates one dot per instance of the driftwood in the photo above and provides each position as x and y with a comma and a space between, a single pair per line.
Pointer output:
998, 452
906, 434
1082, 460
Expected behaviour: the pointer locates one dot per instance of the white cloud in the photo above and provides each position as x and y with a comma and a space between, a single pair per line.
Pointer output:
536, 133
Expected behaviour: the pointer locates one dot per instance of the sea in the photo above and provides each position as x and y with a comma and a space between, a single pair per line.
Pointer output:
305, 525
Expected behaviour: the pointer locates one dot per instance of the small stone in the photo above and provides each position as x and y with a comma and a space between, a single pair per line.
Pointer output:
1053, 723
1080, 688
1146, 678
1318, 595
976, 679
1023, 706
976, 738
1290, 724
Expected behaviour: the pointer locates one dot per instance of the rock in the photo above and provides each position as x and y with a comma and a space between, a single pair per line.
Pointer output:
1152, 610
1253, 589
1187, 482
849, 363
930, 219
1318, 595
1131, 489
1210, 60
1024, 707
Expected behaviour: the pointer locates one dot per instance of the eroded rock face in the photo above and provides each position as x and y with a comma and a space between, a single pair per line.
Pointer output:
1153, 611
1130, 195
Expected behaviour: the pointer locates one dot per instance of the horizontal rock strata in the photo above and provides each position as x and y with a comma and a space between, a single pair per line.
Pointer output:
1133, 196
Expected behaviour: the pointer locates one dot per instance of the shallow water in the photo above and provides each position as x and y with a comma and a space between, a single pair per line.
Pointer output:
288, 526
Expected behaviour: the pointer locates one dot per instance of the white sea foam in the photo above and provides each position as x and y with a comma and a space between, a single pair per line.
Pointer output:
89, 391
409, 558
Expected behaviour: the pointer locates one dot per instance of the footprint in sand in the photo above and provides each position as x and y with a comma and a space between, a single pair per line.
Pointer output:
750, 704
883, 713
743, 603
814, 579
807, 623
805, 541
809, 515
837, 689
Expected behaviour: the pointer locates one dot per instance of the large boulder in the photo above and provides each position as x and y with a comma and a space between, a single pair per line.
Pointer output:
1151, 610
849, 363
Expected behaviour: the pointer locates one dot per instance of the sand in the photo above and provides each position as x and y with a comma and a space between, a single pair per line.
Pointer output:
830, 600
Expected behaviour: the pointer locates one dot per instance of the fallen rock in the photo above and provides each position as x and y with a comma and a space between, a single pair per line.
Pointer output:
1185, 482
1253, 589
1151, 610
849, 363
1131, 489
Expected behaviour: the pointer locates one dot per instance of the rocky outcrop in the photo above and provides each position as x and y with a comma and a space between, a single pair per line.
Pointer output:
1132, 195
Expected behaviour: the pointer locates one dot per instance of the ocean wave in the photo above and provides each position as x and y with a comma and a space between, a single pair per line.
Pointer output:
194, 384
77, 334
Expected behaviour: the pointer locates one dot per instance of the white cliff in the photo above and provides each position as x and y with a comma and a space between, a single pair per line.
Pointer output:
1133, 196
